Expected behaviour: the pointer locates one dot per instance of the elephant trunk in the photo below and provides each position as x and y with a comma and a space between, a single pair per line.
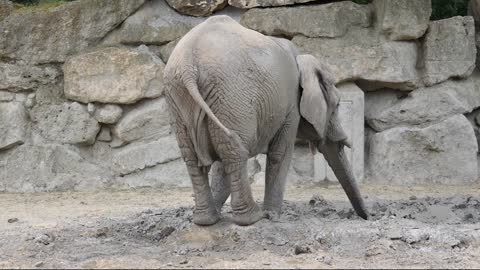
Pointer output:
337, 159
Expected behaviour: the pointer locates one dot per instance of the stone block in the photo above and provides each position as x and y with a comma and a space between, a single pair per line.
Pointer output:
13, 124
366, 56
156, 23
17, 77
49, 167
351, 114
108, 114
46, 35
65, 123
114, 75
402, 19
139, 156
173, 173
149, 119
328, 20
442, 153
387, 108
449, 49
197, 8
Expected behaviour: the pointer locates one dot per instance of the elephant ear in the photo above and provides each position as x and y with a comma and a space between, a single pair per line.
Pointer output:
320, 97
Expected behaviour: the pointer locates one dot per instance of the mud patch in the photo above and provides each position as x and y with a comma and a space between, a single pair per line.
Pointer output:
315, 233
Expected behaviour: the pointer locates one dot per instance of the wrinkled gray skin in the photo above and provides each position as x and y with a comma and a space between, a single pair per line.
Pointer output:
234, 93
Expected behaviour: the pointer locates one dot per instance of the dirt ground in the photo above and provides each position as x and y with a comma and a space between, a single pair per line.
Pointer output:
410, 227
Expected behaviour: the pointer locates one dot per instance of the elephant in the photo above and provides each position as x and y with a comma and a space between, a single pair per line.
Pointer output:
234, 93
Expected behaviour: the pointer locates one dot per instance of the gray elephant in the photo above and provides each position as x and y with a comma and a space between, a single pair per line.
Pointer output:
234, 93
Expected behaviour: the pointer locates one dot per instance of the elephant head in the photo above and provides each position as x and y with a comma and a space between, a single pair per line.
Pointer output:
320, 124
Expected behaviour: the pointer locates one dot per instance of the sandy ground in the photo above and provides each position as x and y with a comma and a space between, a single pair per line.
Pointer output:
410, 227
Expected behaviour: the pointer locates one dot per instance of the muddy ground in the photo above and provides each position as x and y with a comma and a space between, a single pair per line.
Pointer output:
151, 228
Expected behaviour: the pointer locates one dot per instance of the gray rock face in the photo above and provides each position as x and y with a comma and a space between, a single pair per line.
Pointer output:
65, 30
330, 20
66, 123
23, 77
173, 173
50, 168
197, 8
156, 23
403, 19
13, 124
113, 75
387, 109
449, 49
364, 55
105, 134
136, 157
166, 50
264, 3
443, 153
108, 114
6, 96
6, 7
149, 119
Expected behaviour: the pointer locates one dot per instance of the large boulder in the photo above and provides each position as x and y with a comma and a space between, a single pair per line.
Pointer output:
6, 7
156, 23
403, 19
330, 20
449, 49
443, 153
136, 157
264, 3
146, 120
13, 124
387, 108
66, 123
365, 55
113, 75
197, 8
14, 77
35, 168
43, 35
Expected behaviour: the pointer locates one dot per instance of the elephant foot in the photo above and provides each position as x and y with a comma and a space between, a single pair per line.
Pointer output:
272, 215
249, 217
205, 218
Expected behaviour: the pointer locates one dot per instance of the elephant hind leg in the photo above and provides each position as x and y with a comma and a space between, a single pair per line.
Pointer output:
245, 210
234, 156
205, 212
220, 185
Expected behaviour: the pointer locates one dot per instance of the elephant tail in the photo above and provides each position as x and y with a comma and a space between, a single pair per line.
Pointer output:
191, 85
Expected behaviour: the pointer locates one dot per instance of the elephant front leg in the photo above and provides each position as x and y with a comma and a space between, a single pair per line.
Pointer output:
245, 210
279, 156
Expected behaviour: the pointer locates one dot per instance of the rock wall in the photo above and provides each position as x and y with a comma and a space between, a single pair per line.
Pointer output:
82, 106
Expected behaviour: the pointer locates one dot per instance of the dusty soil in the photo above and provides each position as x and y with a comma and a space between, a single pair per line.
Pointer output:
416, 227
